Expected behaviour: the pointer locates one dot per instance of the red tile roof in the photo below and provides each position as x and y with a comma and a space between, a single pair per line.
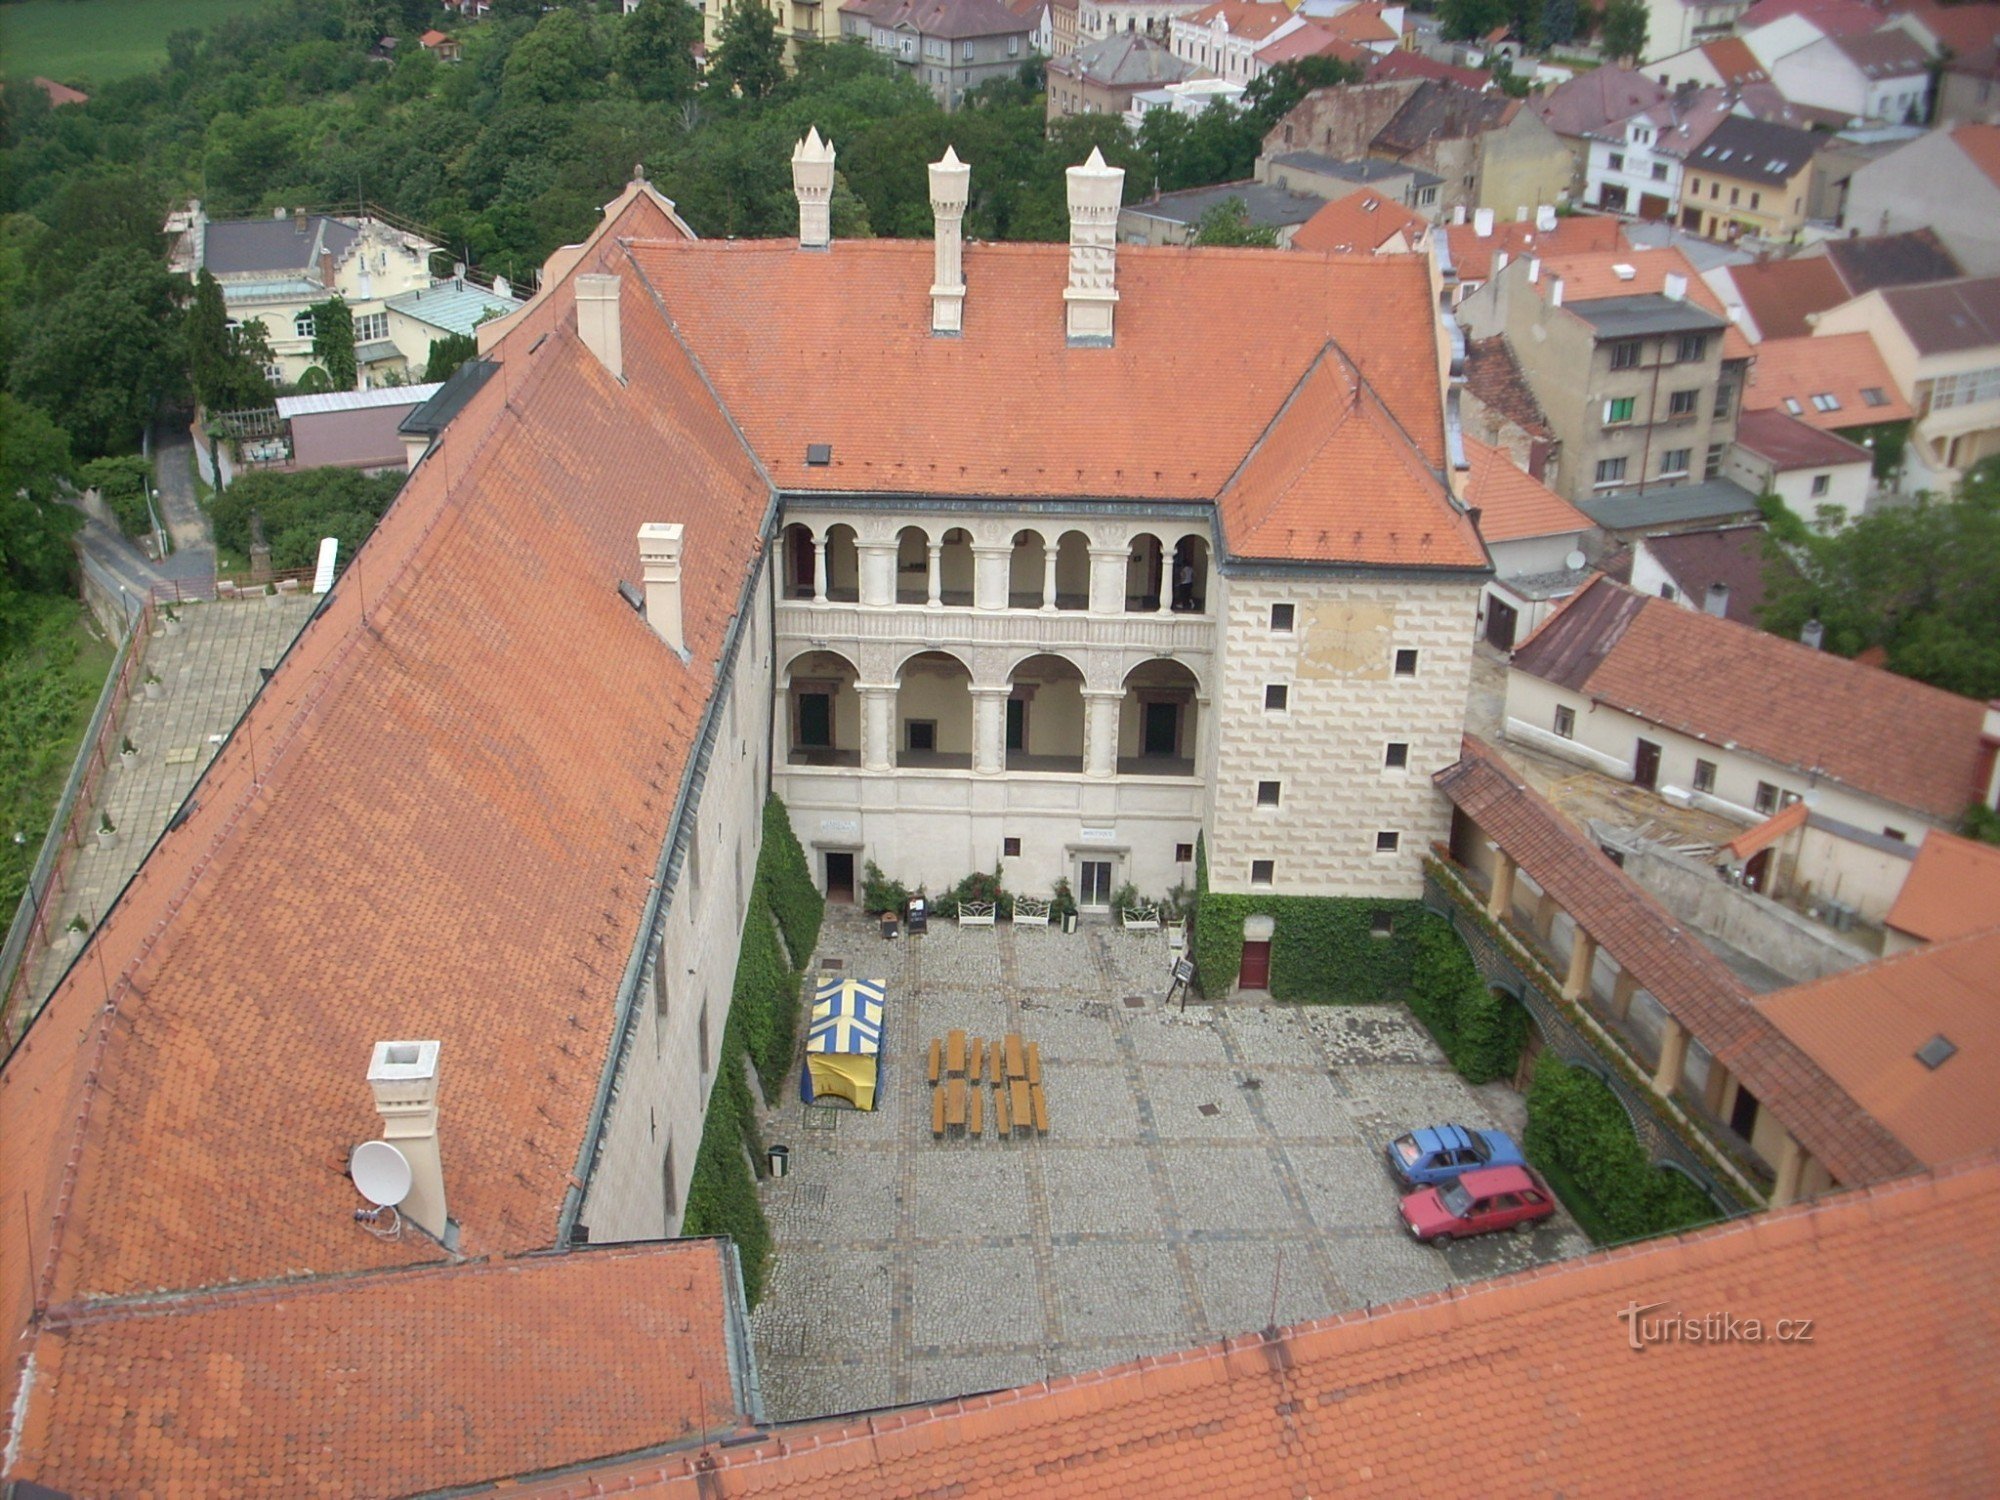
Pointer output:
1845, 366
61, 93
1513, 503
1811, 711
1732, 58
1765, 834
1729, 555
1254, 19
1981, 145
1953, 889
386, 1383
1493, 376
1779, 294
1697, 988
1011, 409
1774, 434
1832, 17
1472, 254
1402, 63
1533, 1373
1310, 40
1593, 274
1363, 221
1866, 1025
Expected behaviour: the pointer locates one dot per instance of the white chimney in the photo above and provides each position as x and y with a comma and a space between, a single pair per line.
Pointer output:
1555, 291
1545, 219
812, 181
950, 184
1458, 213
1717, 602
660, 571
1091, 298
1501, 260
1675, 287
404, 1079
1520, 213
1482, 222
1534, 269
1812, 633
597, 322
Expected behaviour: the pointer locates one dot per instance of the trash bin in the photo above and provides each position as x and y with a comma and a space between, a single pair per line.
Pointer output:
781, 1160
1069, 921
888, 927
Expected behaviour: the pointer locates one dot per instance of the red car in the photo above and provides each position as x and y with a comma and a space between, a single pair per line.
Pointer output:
1478, 1203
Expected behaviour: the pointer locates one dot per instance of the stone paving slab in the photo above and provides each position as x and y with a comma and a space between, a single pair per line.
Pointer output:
909, 1269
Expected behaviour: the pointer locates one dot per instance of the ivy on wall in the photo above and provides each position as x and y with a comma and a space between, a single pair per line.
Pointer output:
787, 883
722, 1196
1579, 1136
1480, 1031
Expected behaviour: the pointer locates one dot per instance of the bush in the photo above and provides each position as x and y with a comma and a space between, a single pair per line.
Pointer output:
722, 1196
123, 483
299, 509
978, 886
1481, 1032
1579, 1134
765, 999
786, 880
881, 894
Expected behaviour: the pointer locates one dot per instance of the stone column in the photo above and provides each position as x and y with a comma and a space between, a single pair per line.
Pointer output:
1582, 955
1049, 578
878, 573
1166, 594
1203, 748
1107, 580
1100, 732
950, 187
1791, 1168
992, 565
1622, 990
878, 726
1501, 898
989, 729
1545, 915
1673, 1054
819, 570
935, 584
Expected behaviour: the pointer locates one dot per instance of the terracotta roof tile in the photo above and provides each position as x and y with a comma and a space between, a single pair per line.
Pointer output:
1883, 735
1732, 58
1865, 1026
1254, 19
1472, 254
1729, 555
1495, 377
1779, 294
1363, 222
1697, 988
1844, 366
1402, 63
1868, 261
1513, 503
1592, 275
1952, 888
1789, 443
1948, 317
1534, 1371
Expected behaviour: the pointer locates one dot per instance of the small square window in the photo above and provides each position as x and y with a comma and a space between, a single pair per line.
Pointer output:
1267, 794
1874, 395
1183, 854
1704, 776
1821, 484
1682, 403
1625, 354
1618, 410
1011, 848
1676, 461
1387, 842
1277, 697
1565, 722
1281, 617
1694, 347
1897, 834
1396, 756
1381, 924
1261, 871
1669, 593
1611, 471
1767, 798
1406, 662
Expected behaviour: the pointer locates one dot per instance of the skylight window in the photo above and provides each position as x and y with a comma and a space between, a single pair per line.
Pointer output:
1826, 401
1873, 395
1792, 406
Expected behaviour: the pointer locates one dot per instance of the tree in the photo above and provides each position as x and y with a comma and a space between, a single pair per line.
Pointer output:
1464, 20
655, 50
333, 342
749, 53
100, 358
558, 63
1228, 223
1922, 582
1559, 22
448, 353
35, 555
1273, 95
1624, 33
225, 365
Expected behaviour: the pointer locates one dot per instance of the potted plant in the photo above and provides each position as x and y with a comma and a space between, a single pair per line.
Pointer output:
76, 931
170, 618
107, 832
155, 689
126, 749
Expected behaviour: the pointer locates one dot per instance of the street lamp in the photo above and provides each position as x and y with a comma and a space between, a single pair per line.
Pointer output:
159, 537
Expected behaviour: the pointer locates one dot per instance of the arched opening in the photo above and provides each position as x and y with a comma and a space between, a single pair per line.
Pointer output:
823, 711
913, 565
798, 561
1190, 581
843, 565
1073, 571
955, 568
1156, 720
1045, 716
1027, 571
934, 712
1142, 575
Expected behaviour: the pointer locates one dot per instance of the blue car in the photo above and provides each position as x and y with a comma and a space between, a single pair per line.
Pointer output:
1439, 1153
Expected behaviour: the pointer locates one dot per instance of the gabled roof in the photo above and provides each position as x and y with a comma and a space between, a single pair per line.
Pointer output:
1494, 376
1829, 17
453, 306
1779, 294
1591, 100
270, 247
1865, 1026
1597, 275
1472, 253
1253, 20
1403, 63
1981, 145
1534, 1371
1746, 150
1732, 556
1810, 711
1865, 262
1836, 380
1948, 317
1734, 62
1971, 33
1444, 111
1125, 59
1309, 40
1513, 504
1888, 53
1362, 221
1952, 890
1789, 444
952, 19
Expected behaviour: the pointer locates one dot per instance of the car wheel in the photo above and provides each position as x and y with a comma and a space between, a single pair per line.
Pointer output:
1440, 1239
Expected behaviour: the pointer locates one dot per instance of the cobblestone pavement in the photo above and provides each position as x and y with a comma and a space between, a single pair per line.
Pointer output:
1205, 1173
208, 671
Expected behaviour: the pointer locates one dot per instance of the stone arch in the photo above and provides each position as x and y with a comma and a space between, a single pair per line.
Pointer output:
913, 564
955, 567
822, 710
1073, 570
1191, 574
1158, 719
1026, 569
1145, 554
1044, 728
843, 564
934, 722
795, 560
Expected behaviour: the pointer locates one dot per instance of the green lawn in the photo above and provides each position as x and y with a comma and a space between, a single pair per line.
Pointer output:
94, 41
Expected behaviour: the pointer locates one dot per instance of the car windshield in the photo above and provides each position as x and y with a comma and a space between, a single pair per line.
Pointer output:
1455, 1198
1406, 1148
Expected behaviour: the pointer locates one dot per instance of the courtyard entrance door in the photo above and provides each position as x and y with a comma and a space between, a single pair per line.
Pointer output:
1256, 971
839, 876
1093, 885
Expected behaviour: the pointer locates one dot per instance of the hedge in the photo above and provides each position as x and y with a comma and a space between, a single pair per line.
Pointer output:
722, 1197
1480, 1031
1323, 948
1579, 1133
765, 998
787, 883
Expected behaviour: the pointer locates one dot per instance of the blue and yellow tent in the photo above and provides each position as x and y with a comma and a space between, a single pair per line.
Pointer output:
844, 1041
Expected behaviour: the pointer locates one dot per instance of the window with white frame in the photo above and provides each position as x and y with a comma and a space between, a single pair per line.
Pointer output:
1675, 461
1610, 471
371, 327
1565, 721
302, 325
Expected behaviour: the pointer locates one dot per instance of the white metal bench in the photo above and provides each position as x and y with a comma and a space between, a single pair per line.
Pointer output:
1031, 911
975, 913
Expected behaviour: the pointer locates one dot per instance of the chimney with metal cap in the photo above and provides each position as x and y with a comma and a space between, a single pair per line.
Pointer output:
951, 183
1091, 298
1812, 634
660, 571
1674, 287
1545, 219
597, 321
403, 1076
812, 182
1717, 602
1555, 291
1482, 223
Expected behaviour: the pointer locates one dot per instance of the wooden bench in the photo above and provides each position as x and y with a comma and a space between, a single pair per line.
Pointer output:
954, 1103
937, 1058
1015, 1067
974, 1124
978, 1063
1035, 1063
1021, 1107
1001, 1125
954, 1054
937, 1112
1039, 1102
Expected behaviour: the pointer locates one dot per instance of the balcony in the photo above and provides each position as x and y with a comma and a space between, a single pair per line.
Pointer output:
956, 623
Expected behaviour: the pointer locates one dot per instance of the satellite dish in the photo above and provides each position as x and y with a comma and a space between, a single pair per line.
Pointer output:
1575, 561
381, 1172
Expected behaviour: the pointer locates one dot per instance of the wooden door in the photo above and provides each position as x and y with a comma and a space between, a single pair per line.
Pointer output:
1646, 765
1501, 619
1256, 971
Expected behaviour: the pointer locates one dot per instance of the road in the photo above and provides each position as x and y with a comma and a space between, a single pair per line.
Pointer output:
193, 559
